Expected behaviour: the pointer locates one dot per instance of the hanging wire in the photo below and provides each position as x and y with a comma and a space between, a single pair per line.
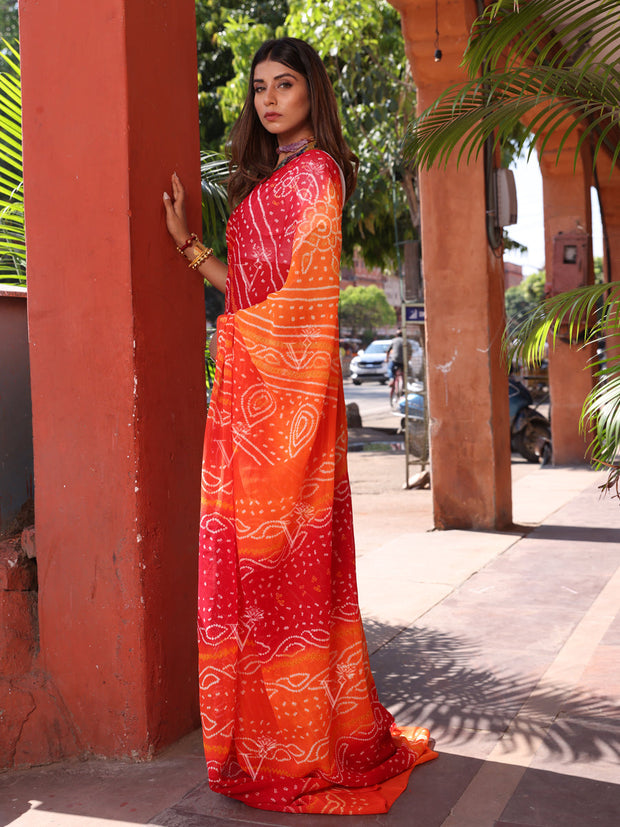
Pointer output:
438, 54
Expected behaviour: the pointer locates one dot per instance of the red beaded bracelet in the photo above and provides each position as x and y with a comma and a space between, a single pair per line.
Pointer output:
193, 237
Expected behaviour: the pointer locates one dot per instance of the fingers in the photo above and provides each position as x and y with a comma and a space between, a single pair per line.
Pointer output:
168, 205
174, 206
178, 190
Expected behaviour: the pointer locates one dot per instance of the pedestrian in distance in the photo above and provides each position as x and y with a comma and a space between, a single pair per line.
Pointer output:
290, 714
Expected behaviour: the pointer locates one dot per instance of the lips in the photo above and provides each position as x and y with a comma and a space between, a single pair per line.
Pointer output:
271, 116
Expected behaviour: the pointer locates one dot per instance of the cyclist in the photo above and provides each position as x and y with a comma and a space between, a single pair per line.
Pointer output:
395, 356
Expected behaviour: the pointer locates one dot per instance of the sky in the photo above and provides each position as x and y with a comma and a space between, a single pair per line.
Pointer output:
529, 229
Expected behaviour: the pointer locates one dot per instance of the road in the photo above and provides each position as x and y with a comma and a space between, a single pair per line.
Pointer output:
373, 400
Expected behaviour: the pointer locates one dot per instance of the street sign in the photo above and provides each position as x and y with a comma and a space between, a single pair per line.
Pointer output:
415, 313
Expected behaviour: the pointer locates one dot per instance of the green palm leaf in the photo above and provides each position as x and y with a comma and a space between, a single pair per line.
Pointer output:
214, 174
583, 316
12, 234
557, 60
573, 33
465, 116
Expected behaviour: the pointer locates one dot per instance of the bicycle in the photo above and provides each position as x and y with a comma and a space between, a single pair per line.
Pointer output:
397, 387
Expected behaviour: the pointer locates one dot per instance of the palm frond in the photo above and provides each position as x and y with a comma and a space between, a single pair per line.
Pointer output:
582, 315
214, 174
585, 316
575, 33
550, 99
555, 60
12, 232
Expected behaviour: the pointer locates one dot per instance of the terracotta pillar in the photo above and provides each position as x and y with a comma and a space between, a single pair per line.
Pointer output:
116, 336
467, 382
567, 208
609, 199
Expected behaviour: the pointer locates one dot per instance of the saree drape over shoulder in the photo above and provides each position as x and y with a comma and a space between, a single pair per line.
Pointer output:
290, 714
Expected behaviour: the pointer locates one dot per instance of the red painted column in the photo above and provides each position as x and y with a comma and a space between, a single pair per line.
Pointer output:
467, 382
567, 207
116, 335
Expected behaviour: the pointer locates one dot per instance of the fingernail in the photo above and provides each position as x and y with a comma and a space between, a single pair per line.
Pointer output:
166, 196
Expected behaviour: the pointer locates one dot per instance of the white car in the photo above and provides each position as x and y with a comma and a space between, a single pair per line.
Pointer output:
370, 366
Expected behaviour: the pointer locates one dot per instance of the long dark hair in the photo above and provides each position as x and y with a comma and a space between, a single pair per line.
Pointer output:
253, 149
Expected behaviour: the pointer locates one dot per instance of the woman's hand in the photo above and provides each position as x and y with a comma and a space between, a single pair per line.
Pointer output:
211, 269
176, 222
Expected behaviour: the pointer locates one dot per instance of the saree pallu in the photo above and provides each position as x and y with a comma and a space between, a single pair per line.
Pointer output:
290, 714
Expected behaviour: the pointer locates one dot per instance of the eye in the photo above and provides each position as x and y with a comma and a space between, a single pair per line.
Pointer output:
258, 89
285, 84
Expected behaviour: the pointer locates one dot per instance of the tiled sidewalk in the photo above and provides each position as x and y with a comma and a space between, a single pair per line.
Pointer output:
506, 645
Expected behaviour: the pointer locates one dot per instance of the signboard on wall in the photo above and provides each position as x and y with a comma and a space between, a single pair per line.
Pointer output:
415, 313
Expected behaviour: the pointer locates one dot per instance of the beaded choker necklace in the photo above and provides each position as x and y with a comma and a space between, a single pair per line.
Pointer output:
296, 149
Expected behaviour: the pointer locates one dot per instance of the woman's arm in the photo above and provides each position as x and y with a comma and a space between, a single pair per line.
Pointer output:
212, 269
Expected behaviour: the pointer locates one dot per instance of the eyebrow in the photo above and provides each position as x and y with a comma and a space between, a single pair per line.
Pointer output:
277, 77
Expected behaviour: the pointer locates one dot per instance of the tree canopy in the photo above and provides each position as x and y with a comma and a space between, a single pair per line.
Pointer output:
362, 46
364, 309
9, 23
218, 64
523, 298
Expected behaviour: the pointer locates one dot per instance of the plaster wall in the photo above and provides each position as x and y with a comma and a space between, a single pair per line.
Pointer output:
16, 471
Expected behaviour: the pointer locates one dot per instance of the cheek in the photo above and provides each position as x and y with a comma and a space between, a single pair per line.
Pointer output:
303, 105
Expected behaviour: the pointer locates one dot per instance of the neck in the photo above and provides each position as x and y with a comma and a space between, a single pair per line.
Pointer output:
287, 155
295, 146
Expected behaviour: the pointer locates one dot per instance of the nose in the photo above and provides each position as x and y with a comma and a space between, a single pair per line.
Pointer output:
270, 96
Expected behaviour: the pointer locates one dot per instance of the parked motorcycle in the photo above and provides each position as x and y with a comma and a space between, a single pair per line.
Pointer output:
530, 431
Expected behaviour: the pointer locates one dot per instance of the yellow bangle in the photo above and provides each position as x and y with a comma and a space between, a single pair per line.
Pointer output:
201, 253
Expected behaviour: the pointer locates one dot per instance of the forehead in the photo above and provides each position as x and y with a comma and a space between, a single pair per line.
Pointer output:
271, 69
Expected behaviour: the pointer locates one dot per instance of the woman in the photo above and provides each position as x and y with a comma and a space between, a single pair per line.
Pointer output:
290, 715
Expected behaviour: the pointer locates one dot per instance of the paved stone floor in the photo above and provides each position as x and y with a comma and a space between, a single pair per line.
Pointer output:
506, 645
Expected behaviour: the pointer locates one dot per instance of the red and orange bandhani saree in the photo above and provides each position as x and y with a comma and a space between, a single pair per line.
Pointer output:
290, 714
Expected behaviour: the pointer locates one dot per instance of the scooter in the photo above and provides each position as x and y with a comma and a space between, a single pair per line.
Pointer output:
414, 422
530, 431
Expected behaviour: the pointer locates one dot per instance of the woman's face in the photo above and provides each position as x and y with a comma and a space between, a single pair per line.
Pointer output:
282, 102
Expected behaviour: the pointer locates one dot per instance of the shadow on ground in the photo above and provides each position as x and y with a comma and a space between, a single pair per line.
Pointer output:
423, 676
430, 678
